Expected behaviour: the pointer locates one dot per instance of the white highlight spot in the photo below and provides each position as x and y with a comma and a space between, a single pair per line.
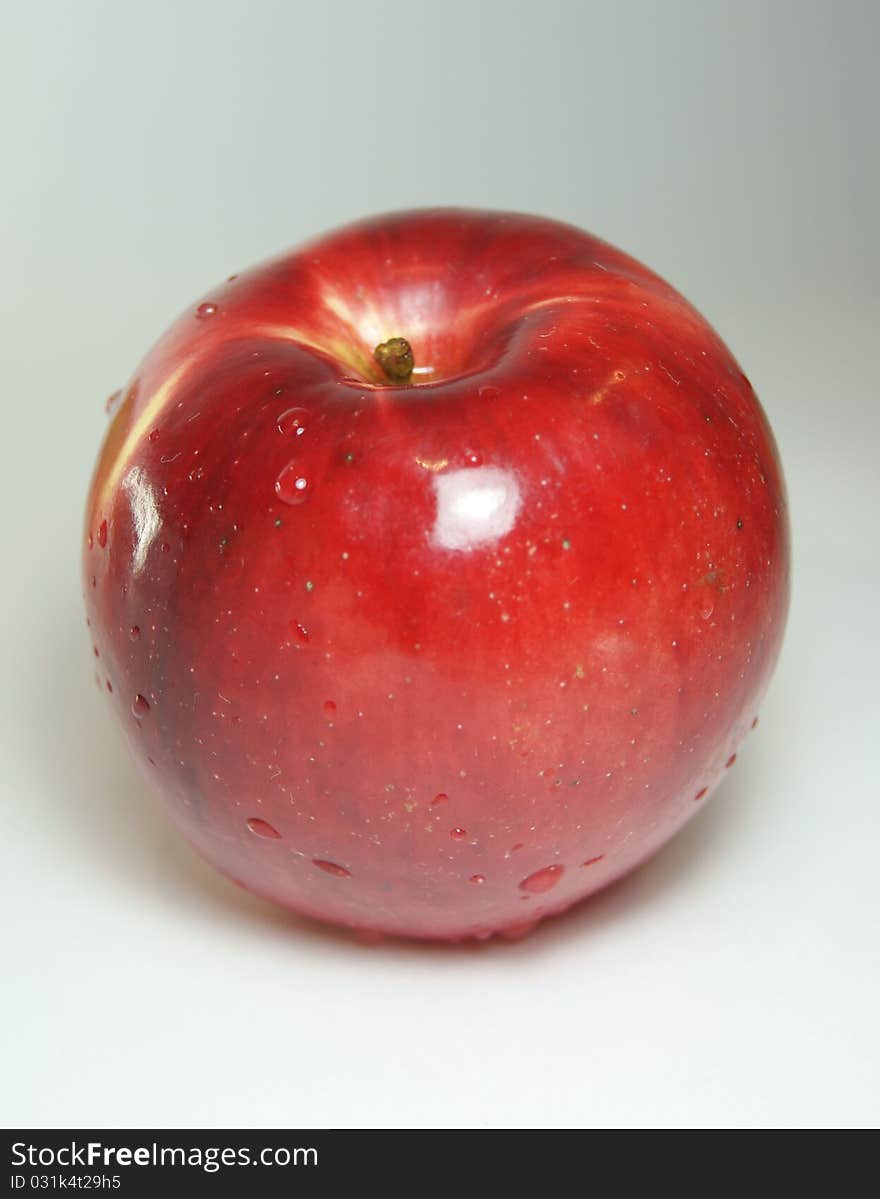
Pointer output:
144, 515
475, 506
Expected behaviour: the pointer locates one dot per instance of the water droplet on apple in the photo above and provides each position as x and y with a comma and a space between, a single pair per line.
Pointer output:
293, 422
262, 828
458, 834
329, 708
109, 686
473, 459
331, 868
154, 435
477, 879
699, 795
489, 393
441, 798
134, 632
592, 861
730, 761
542, 880
140, 706
204, 311
291, 486
90, 541
102, 534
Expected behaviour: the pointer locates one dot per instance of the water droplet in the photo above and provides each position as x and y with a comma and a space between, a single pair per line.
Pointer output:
699, 795
473, 459
91, 541
331, 868
441, 798
518, 845
730, 761
299, 633
755, 723
134, 632
262, 828
140, 707
291, 487
477, 879
542, 880
206, 310
592, 861
706, 606
112, 402
102, 534
95, 651
458, 834
154, 435
489, 393
329, 708
293, 422
109, 686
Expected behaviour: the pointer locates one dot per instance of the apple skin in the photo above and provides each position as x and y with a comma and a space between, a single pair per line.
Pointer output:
437, 659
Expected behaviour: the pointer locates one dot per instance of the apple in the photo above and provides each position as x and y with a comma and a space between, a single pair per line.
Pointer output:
436, 570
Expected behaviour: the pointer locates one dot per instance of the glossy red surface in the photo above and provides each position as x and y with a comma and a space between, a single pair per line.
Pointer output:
437, 659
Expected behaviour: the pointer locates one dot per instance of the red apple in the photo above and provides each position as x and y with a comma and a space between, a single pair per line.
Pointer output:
437, 653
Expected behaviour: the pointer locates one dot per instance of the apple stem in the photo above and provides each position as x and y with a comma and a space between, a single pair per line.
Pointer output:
395, 357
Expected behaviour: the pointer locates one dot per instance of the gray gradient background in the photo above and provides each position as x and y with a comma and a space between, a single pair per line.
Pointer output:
149, 150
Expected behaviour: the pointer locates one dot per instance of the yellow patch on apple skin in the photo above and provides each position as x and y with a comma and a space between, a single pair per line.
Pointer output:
123, 437
365, 322
345, 350
127, 430
613, 379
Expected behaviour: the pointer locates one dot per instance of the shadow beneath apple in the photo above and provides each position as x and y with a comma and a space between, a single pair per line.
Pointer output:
116, 827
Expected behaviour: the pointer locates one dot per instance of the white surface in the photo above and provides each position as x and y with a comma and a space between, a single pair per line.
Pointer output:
735, 980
